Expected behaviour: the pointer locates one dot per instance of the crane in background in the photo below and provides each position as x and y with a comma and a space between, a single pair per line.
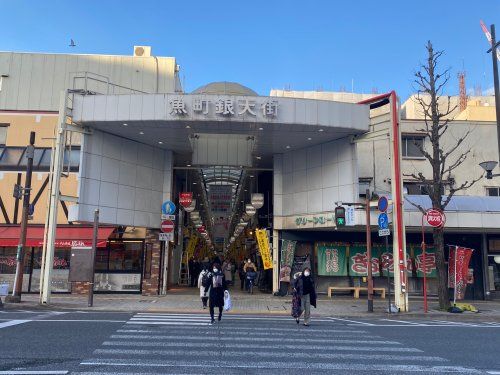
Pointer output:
488, 36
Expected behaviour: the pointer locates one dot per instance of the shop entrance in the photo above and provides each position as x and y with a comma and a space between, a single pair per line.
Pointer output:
223, 197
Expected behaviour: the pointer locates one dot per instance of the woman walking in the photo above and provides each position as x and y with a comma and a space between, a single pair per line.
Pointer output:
304, 288
202, 283
215, 288
227, 269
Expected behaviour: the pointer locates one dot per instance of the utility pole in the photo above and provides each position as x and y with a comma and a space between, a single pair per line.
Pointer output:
493, 50
92, 258
369, 252
26, 192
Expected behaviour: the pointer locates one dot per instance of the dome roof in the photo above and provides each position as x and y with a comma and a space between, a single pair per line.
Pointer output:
228, 88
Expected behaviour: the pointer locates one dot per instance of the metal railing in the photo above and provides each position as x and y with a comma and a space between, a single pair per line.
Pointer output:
88, 83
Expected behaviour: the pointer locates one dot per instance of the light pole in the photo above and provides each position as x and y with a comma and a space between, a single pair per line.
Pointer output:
493, 50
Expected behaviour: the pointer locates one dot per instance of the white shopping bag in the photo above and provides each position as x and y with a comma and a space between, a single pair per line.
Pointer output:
227, 301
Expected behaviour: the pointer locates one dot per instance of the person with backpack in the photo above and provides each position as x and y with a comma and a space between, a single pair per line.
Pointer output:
203, 281
251, 276
216, 286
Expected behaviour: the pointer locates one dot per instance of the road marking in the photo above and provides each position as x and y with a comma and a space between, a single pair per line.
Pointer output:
175, 344
402, 322
142, 322
13, 323
286, 365
353, 321
230, 353
37, 372
79, 320
333, 347
493, 372
247, 329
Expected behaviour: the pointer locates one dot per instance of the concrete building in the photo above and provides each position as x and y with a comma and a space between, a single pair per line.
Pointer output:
138, 141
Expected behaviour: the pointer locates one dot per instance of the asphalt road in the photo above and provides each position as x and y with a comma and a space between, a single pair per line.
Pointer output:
42, 342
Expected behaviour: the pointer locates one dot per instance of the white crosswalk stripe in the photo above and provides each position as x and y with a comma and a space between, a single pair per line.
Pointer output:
385, 322
187, 344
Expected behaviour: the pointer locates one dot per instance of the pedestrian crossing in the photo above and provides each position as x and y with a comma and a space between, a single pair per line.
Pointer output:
386, 322
188, 344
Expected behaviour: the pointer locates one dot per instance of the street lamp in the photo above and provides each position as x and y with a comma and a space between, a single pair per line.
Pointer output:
488, 166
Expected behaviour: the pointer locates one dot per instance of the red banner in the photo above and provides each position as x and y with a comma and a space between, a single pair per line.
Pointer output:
185, 199
458, 273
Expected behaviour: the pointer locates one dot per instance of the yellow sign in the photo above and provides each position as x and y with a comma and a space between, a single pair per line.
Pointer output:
191, 245
265, 251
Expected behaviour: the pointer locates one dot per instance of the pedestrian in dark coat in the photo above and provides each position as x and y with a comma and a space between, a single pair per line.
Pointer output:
215, 288
304, 288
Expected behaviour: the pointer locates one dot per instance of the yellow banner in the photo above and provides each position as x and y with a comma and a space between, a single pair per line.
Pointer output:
265, 251
191, 245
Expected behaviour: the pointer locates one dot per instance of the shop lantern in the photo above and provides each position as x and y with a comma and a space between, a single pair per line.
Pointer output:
250, 210
257, 200
191, 207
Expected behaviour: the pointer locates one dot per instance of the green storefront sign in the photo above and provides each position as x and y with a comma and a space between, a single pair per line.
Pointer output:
332, 260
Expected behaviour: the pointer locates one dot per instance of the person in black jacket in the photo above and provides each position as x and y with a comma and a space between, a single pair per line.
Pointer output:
216, 286
306, 290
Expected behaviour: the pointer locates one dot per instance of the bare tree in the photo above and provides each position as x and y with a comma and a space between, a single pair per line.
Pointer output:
437, 109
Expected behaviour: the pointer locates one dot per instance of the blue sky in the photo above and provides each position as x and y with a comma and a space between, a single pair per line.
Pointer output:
302, 45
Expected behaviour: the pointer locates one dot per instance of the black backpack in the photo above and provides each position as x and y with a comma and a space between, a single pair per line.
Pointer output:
205, 280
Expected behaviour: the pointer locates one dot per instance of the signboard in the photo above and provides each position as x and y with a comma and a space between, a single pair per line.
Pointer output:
358, 261
350, 216
265, 251
166, 236
185, 199
167, 226
220, 197
191, 245
168, 217
383, 221
286, 261
168, 208
383, 204
332, 260
384, 232
430, 262
435, 218
81, 264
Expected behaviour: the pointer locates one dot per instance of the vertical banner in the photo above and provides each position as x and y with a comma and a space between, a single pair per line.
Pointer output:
265, 251
458, 269
287, 254
191, 245
332, 260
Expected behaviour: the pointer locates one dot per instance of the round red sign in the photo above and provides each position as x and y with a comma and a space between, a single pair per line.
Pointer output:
167, 226
435, 218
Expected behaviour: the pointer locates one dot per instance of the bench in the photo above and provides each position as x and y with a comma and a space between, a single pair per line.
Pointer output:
356, 290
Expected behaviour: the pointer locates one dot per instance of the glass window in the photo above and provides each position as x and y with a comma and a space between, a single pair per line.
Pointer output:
11, 156
101, 259
492, 191
72, 157
3, 133
8, 260
125, 256
411, 146
36, 158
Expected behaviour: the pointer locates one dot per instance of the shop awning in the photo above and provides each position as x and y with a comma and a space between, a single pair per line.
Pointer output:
70, 236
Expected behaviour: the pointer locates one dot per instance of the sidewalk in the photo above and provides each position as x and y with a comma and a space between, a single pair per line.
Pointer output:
186, 300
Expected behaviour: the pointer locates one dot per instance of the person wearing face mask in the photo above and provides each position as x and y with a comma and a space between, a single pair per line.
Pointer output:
216, 286
305, 289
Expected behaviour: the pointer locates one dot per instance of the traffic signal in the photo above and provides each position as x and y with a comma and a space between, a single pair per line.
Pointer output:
340, 216
18, 193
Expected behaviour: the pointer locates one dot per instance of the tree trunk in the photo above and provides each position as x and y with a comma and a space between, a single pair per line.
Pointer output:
442, 269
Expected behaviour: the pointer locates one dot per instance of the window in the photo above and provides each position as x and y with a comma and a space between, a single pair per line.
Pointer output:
13, 158
411, 146
3, 133
493, 191
364, 183
120, 257
413, 188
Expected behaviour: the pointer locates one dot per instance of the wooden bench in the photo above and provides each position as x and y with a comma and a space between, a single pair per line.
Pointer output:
355, 289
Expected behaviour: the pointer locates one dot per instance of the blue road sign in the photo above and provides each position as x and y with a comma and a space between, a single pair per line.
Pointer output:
383, 221
383, 204
168, 208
